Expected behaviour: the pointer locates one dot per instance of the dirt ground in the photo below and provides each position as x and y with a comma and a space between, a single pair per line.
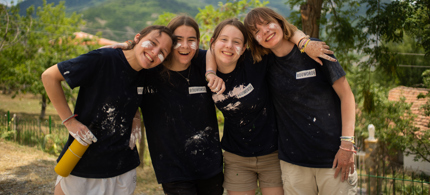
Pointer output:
27, 170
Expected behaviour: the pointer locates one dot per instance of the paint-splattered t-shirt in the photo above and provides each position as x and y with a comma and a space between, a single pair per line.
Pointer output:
181, 124
307, 109
249, 116
109, 95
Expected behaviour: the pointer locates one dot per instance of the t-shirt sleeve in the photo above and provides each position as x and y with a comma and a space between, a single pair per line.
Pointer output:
82, 69
332, 70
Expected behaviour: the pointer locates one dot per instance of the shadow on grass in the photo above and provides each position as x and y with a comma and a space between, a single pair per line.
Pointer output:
38, 177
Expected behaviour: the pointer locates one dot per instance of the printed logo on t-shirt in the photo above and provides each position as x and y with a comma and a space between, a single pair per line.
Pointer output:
140, 90
195, 90
248, 89
306, 74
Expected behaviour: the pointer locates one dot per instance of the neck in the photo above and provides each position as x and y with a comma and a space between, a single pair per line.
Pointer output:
283, 49
224, 67
131, 59
176, 66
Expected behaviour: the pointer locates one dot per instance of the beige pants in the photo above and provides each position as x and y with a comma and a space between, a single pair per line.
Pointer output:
300, 180
242, 173
121, 184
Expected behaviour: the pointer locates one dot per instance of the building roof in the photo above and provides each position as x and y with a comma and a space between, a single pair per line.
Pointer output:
410, 94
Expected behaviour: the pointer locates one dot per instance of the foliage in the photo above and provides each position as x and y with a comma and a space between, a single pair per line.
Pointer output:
50, 40
209, 17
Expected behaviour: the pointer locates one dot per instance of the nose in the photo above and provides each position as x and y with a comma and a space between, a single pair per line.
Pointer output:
156, 50
229, 44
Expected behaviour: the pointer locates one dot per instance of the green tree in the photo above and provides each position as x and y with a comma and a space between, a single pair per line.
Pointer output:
50, 40
210, 16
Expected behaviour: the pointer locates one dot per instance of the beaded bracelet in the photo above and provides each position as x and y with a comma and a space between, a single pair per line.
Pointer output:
355, 152
303, 38
347, 138
304, 47
68, 118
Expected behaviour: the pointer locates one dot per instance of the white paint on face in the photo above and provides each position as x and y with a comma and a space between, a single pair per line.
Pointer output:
177, 46
273, 26
146, 44
238, 50
258, 38
194, 45
161, 57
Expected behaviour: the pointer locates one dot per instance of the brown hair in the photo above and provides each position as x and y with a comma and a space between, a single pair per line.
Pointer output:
178, 21
160, 29
234, 22
258, 16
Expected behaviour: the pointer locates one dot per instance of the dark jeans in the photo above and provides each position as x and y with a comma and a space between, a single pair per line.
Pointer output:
210, 186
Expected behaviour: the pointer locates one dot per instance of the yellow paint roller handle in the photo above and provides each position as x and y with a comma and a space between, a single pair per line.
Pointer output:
70, 158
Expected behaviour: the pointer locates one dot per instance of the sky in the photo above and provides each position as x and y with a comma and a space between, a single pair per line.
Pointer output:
8, 2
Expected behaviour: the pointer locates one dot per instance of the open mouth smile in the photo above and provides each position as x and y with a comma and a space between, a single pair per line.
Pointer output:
148, 57
270, 37
227, 53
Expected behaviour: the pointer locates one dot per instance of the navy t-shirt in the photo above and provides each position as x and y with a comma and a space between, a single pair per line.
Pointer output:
307, 109
249, 116
181, 124
109, 95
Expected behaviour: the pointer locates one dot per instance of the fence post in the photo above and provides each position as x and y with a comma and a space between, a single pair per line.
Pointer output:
370, 145
8, 120
50, 122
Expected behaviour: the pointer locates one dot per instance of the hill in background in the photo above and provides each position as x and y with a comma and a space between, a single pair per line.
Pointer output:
120, 20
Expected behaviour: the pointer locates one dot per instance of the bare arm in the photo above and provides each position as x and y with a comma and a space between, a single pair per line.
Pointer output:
51, 79
314, 49
215, 83
344, 160
136, 131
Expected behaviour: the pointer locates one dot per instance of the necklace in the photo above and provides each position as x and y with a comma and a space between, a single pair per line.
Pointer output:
186, 78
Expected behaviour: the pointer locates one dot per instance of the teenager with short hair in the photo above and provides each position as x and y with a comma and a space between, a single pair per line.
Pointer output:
315, 110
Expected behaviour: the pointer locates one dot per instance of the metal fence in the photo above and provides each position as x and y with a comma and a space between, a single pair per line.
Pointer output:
32, 132
386, 180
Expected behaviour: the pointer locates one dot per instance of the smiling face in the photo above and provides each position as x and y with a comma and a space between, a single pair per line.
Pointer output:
152, 49
268, 34
228, 46
187, 45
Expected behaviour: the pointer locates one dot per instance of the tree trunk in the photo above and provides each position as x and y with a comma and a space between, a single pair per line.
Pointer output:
43, 111
311, 14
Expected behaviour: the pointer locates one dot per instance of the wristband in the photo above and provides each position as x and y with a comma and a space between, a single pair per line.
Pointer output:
304, 47
353, 151
68, 118
209, 74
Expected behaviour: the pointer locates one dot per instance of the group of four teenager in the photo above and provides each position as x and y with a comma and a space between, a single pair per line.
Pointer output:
273, 93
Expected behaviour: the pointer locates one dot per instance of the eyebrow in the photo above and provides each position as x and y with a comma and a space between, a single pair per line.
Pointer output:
193, 37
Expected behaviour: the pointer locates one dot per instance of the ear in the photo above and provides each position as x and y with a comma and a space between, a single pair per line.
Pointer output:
243, 49
136, 38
